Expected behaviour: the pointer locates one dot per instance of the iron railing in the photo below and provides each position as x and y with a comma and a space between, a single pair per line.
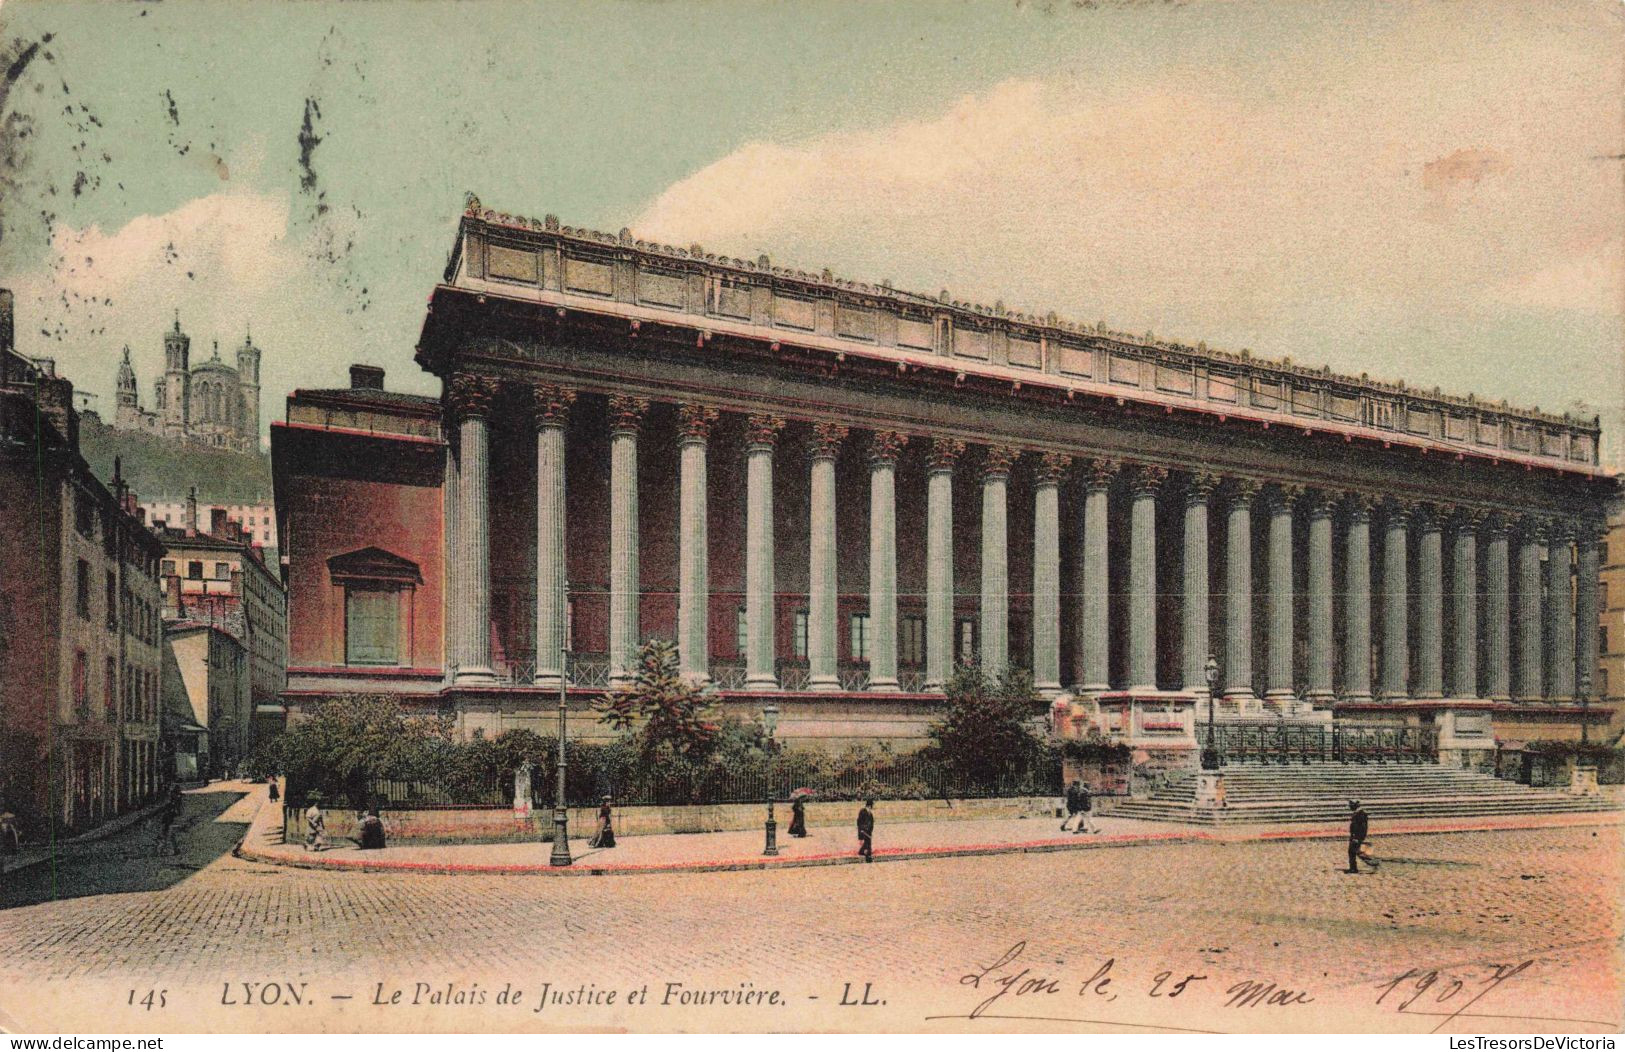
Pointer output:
1341, 742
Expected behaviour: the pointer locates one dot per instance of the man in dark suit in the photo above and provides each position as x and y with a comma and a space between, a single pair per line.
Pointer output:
866, 831
1359, 829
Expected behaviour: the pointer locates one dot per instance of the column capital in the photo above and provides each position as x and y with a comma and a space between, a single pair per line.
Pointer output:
944, 453
1199, 487
1496, 524
1466, 519
998, 461
826, 439
885, 446
550, 405
1397, 512
1241, 491
1051, 468
1099, 472
1321, 503
1560, 531
626, 414
1148, 478
1280, 496
1359, 505
762, 430
1590, 531
471, 394
1534, 528
1427, 516
694, 421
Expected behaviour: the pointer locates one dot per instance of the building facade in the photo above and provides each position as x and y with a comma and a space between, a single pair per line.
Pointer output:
207, 685
258, 521
830, 493
214, 573
80, 628
1608, 687
212, 403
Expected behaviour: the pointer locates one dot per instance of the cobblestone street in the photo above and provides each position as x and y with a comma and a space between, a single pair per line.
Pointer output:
76, 940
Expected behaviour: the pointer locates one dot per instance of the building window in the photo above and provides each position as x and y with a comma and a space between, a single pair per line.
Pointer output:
860, 637
84, 589
372, 622
169, 567
798, 634
1602, 683
110, 690
222, 571
741, 632
84, 514
81, 673
112, 601
194, 570
911, 640
965, 640
1602, 596
1602, 639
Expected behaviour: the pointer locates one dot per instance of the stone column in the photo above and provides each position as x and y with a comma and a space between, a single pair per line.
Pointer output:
693, 543
1430, 605
1464, 603
822, 628
761, 433
452, 601
1094, 638
625, 585
1560, 612
883, 451
1531, 677
1238, 597
1395, 603
995, 559
1497, 611
1198, 495
1142, 579
551, 412
1319, 674
1279, 689
1047, 572
472, 396
1590, 535
939, 561
1357, 601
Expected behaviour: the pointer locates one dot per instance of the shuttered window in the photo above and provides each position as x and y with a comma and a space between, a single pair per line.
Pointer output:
371, 625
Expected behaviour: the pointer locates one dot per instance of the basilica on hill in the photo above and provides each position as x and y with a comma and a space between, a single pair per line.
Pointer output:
212, 403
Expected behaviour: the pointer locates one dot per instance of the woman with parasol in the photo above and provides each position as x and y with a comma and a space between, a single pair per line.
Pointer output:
798, 811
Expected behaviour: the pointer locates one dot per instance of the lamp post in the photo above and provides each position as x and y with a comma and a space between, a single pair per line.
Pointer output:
561, 816
1210, 750
770, 718
1585, 705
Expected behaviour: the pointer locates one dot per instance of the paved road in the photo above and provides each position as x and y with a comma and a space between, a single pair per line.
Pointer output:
200, 925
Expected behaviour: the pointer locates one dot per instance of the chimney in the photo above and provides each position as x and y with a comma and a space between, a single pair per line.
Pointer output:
172, 589
55, 396
217, 523
8, 322
191, 512
237, 580
366, 378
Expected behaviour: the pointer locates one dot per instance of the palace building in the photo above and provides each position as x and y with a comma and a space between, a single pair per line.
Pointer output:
829, 493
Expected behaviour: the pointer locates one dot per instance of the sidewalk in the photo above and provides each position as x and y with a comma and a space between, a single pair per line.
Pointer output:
39, 854
824, 846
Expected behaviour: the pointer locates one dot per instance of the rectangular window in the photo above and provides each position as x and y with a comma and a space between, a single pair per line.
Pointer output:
1602, 683
222, 571
84, 589
1602, 596
911, 640
112, 601
81, 673
110, 690
741, 633
965, 640
798, 634
371, 625
860, 637
84, 514
194, 570
1602, 639
169, 567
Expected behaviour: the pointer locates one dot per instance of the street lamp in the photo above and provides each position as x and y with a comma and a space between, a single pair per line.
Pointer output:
561, 817
1210, 751
770, 719
1585, 706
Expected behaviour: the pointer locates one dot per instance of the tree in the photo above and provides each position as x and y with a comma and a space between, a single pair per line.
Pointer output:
664, 712
351, 739
986, 733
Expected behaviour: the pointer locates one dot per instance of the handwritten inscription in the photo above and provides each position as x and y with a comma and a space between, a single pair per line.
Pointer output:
1448, 996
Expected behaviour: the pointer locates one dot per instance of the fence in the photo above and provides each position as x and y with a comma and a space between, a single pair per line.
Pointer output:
1342, 742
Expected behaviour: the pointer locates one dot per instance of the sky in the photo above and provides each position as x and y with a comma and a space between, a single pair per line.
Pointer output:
1432, 192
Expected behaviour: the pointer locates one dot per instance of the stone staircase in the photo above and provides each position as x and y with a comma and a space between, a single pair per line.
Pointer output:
1320, 792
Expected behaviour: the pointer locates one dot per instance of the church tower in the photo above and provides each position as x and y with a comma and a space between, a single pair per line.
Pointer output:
127, 413
177, 381
248, 381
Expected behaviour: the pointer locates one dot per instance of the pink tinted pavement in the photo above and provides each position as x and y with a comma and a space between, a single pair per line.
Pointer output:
824, 845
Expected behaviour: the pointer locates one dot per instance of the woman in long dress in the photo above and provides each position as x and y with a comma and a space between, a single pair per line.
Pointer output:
798, 817
605, 836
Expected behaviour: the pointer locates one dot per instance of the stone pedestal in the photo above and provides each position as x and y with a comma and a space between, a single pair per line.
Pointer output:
1583, 780
521, 791
1466, 736
1210, 789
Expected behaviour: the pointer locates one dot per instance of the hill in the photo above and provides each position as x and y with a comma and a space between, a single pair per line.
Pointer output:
159, 469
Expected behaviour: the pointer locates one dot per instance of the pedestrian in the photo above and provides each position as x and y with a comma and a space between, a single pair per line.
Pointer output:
605, 836
866, 831
1359, 830
275, 793
1086, 811
315, 825
372, 831
11, 838
798, 817
1074, 792
166, 821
